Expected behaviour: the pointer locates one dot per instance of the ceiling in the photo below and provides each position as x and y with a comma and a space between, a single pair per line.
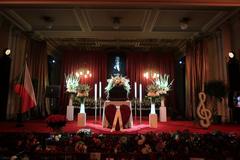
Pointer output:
150, 27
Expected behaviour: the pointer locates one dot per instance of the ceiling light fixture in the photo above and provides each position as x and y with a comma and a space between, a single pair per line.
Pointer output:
184, 23
116, 22
48, 21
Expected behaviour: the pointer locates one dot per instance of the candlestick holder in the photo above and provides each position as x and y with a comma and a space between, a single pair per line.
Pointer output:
140, 112
135, 108
95, 114
100, 108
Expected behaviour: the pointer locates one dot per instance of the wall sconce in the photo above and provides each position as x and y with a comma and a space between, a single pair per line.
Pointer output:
6, 51
83, 74
150, 75
231, 55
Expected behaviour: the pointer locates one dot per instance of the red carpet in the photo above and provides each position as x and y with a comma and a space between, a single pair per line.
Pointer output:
40, 126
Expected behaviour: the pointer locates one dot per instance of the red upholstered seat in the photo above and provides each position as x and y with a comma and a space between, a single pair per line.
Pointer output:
110, 112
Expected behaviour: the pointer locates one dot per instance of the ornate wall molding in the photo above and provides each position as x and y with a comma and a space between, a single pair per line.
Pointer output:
233, 3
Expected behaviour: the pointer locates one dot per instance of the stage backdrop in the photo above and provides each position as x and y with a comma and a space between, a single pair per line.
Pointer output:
72, 61
135, 64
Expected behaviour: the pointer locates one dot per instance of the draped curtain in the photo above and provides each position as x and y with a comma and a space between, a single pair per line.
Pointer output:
4, 32
18, 43
38, 67
219, 46
136, 64
196, 74
140, 62
73, 61
206, 60
24, 50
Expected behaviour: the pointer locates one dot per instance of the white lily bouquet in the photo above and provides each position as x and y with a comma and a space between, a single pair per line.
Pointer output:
117, 81
152, 92
163, 84
72, 82
159, 87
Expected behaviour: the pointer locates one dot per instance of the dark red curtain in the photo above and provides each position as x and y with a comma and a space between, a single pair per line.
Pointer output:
95, 62
38, 68
197, 69
136, 64
140, 62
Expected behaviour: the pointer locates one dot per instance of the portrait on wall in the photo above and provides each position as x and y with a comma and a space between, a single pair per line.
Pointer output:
116, 65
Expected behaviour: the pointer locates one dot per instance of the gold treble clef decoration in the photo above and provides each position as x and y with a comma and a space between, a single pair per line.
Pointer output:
203, 113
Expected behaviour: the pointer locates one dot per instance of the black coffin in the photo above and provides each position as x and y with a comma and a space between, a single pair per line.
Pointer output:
118, 93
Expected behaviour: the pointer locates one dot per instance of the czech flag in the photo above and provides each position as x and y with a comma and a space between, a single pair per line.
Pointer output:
26, 92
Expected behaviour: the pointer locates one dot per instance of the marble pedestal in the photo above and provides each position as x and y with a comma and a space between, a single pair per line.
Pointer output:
163, 114
81, 120
153, 120
70, 113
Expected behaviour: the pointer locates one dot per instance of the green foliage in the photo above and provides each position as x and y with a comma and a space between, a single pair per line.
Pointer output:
83, 87
216, 89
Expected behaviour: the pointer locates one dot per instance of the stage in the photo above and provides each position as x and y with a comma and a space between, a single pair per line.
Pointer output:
40, 126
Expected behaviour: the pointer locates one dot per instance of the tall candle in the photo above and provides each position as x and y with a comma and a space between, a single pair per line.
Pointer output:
140, 92
135, 90
100, 89
95, 93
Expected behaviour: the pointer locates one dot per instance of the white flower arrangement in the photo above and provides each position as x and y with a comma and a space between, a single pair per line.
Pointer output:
163, 84
153, 90
159, 87
72, 82
117, 81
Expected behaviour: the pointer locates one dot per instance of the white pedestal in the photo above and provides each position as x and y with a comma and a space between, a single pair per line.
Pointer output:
81, 121
153, 110
70, 113
70, 101
153, 120
163, 114
71, 96
82, 108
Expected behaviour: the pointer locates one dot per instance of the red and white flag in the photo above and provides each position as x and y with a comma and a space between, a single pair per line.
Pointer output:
26, 92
